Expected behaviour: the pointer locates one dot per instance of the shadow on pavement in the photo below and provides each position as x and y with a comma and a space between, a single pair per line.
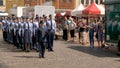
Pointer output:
26, 56
2, 65
118, 60
94, 51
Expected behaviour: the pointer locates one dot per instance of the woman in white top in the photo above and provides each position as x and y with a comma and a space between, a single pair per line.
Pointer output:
72, 26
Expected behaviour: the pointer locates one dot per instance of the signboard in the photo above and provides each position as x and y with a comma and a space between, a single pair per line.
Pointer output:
38, 10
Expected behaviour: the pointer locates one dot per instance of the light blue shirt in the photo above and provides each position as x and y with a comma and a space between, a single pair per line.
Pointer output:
48, 24
4, 24
15, 28
35, 26
30, 26
25, 25
21, 29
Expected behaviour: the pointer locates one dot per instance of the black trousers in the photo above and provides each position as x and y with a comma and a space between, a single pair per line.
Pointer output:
65, 34
72, 33
41, 49
5, 35
16, 40
34, 42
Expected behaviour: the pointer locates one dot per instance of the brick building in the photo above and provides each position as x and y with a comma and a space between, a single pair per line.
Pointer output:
62, 5
2, 6
13, 4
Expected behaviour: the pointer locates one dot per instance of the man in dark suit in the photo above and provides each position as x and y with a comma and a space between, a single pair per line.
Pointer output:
40, 37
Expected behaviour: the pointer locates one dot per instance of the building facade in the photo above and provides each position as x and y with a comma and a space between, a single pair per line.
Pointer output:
13, 4
2, 6
88, 2
62, 5
59, 4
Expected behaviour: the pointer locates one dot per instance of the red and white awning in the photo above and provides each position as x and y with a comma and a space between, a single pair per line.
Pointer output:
78, 10
92, 9
60, 14
102, 9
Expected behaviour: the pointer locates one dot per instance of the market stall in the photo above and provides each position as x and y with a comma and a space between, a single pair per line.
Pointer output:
78, 10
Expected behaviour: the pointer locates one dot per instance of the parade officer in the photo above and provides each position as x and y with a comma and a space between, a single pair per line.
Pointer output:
40, 33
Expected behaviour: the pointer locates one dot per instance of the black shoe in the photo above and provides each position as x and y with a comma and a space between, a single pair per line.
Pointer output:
37, 50
23, 49
27, 51
43, 57
50, 50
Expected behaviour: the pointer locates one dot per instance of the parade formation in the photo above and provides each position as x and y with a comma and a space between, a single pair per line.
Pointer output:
30, 33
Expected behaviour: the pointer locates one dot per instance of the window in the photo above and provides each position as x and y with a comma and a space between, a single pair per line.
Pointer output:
47, 0
53, 0
96, 1
63, 1
9, 0
35, 0
92, 1
1, 2
18, 0
30, 0
69, 1
87, 2
27, 5
82, 1
101, 1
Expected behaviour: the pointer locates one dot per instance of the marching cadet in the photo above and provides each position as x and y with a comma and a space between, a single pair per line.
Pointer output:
51, 28
21, 34
28, 34
40, 33
16, 33
31, 31
45, 27
35, 26
11, 30
8, 31
4, 26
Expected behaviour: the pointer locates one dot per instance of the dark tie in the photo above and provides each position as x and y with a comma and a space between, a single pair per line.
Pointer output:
28, 25
51, 24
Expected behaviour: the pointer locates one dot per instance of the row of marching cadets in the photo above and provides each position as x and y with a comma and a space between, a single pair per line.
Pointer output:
30, 33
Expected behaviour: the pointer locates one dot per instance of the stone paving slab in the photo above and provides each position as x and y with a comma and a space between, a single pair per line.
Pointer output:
65, 55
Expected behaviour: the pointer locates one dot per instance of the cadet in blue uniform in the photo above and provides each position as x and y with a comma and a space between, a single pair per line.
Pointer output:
21, 33
51, 28
28, 34
4, 27
12, 31
16, 34
35, 27
8, 30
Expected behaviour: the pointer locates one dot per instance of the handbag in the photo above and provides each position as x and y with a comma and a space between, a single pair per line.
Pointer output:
96, 35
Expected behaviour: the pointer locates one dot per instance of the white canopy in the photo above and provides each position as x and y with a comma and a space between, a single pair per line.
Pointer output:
102, 9
78, 10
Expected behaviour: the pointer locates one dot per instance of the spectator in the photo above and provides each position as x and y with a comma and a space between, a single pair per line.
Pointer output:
83, 31
91, 26
99, 33
65, 29
72, 26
